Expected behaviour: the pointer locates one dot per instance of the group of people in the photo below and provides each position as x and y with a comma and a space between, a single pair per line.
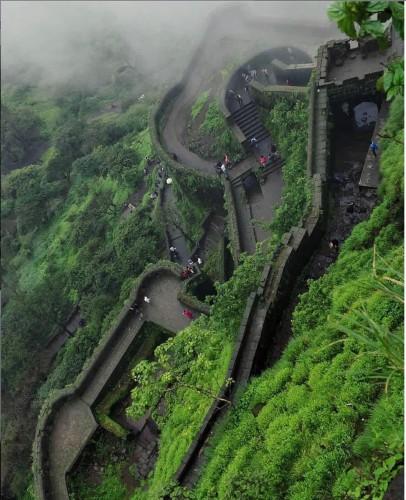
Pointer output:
251, 74
191, 268
222, 166
237, 97
161, 177
265, 159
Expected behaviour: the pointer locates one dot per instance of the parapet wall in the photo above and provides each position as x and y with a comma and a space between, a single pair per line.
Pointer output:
344, 89
232, 223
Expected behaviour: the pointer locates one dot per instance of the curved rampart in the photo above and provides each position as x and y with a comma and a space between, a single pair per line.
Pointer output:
87, 387
156, 122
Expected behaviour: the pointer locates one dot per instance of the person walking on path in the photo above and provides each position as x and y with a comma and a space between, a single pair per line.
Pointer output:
227, 161
263, 160
173, 252
136, 310
374, 148
147, 299
187, 313
239, 100
224, 170
333, 244
254, 142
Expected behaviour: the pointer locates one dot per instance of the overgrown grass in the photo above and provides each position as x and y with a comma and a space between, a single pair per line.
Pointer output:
288, 123
193, 199
110, 488
216, 127
199, 103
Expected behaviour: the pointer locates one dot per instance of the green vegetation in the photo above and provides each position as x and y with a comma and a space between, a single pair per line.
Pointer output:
214, 265
224, 140
199, 103
288, 121
362, 19
317, 423
196, 360
151, 335
110, 488
392, 81
194, 198
20, 130
213, 137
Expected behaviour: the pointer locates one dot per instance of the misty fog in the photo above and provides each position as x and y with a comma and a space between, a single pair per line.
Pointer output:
83, 42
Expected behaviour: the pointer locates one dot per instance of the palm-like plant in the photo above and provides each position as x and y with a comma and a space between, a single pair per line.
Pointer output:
360, 19
376, 338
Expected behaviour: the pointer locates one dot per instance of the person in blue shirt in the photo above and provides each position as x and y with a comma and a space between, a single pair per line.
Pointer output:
373, 147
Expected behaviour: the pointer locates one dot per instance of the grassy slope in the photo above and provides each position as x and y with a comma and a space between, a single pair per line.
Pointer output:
320, 412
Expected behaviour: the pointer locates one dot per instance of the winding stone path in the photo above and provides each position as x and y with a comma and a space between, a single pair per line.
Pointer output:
74, 422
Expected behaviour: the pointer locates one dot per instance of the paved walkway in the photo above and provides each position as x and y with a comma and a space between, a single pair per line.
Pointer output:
245, 36
175, 235
73, 426
165, 309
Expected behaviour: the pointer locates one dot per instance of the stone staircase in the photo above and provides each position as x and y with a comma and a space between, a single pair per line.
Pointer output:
248, 121
270, 167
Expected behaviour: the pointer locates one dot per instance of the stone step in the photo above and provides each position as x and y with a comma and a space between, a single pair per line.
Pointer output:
269, 168
247, 120
243, 109
264, 134
252, 128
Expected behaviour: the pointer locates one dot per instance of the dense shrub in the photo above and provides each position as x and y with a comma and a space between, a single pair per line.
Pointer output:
288, 123
216, 126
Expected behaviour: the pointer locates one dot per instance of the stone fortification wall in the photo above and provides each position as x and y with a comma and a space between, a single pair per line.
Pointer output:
337, 53
89, 374
232, 222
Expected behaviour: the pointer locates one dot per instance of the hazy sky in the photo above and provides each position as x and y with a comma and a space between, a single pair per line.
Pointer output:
55, 36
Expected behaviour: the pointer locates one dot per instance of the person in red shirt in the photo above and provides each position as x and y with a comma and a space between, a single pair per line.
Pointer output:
263, 160
188, 314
